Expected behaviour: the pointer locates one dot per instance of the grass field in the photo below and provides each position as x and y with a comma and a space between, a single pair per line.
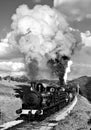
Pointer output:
8, 103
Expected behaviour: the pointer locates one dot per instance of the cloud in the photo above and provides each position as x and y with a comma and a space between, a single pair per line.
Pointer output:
7, 49
78, 70
11, 66
86, 38
3, 48
19, 73
81, 62
74, 9
11, 60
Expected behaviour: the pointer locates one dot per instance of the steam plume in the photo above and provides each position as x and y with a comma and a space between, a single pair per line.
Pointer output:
67, 70
41, 34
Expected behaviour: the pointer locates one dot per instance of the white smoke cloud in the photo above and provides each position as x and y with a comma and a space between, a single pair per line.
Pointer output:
41, 34
38, 34
68, 70
43, 24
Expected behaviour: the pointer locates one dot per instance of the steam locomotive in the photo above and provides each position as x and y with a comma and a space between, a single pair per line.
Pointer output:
41, 98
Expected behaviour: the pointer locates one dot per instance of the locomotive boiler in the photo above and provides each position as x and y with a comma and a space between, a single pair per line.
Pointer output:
41, 98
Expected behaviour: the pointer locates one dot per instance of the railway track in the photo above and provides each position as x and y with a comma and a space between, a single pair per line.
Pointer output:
47, 124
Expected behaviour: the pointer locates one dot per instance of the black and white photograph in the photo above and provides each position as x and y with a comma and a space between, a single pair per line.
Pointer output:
45, 64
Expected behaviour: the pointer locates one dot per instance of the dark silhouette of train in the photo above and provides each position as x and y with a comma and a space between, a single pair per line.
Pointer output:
43, 98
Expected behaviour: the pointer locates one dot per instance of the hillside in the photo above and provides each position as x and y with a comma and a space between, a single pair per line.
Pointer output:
79, 118
84, 86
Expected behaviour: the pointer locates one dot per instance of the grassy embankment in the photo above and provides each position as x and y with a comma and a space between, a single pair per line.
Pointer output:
8, 102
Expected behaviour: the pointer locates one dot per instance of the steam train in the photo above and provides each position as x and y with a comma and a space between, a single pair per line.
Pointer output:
39, 99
